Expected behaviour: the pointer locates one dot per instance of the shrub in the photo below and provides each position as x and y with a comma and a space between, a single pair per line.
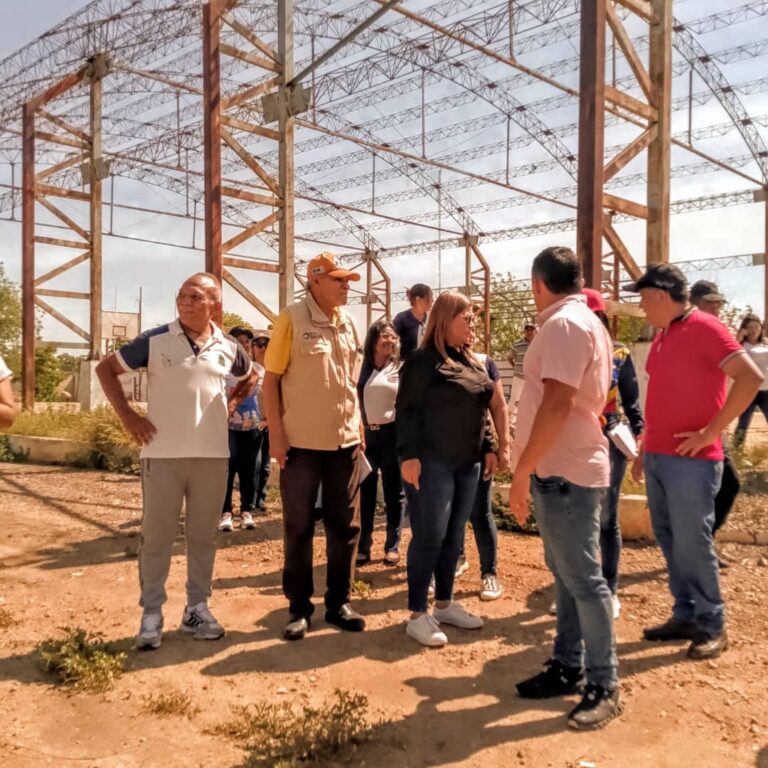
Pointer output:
171, 703
82, 661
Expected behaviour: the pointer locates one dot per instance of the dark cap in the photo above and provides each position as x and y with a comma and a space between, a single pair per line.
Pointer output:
706, 290
665, 277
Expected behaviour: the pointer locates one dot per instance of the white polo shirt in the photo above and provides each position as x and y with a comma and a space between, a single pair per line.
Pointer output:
187, 399
5, 371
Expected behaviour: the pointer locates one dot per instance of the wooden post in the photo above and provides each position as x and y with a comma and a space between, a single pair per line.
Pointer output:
660, 71
212, 136
28, 259
589, 228
765, 258
286, 155
95, 351
368, 289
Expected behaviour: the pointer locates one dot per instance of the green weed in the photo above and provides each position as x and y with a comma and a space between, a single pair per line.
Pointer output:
171, 703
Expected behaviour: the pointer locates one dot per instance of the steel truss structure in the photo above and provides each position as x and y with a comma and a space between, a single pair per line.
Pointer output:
380, 129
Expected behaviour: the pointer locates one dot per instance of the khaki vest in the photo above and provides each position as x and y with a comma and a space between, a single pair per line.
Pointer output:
319, 388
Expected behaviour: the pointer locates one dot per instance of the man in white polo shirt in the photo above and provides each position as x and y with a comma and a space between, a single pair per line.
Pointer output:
185, 450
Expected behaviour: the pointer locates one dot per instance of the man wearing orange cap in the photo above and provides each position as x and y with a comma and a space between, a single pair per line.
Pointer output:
310, 397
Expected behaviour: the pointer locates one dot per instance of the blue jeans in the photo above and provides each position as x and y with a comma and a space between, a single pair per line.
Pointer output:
681, 496
381, 452
610, 530
568, 517
484, 528
439, 511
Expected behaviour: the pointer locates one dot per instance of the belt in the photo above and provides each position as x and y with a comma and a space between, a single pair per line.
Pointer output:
377, 427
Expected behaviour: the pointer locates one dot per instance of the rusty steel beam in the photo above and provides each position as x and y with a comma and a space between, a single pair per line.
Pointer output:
286, 168
95, 212
28, 259
589, 228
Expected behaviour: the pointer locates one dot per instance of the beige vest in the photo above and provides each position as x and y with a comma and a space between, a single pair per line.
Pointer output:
319, 388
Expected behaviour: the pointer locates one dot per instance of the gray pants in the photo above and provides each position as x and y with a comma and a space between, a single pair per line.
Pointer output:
166, 484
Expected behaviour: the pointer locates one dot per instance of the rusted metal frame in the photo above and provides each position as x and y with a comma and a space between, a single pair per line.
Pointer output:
212, 137
251, 197
74, 327
622, 205
61, 269
246, 33
248, 295
630, 52
59, 88
50, 190
249, 94
251, 231
95, 212
286, 167
242, 125
589, 226
380, 148
659, 150
257, 266
62, 166
248, 57
378, 290
65, 141
179, 86
28, 257
249, 160
348, 38
57, 294
630, 103
620, 249
629, 153
642, 8
490, 53
62, 123
485, 271
59, 242
59, 214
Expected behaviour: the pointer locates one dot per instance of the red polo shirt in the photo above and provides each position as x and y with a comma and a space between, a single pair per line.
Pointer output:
687, 386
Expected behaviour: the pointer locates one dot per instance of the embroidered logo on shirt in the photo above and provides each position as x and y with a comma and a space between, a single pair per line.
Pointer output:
222, 360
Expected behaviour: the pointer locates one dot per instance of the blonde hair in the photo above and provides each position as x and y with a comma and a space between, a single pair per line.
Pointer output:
447, 306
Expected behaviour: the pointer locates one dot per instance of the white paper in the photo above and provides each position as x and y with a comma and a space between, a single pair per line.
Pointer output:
621, 436
363, 466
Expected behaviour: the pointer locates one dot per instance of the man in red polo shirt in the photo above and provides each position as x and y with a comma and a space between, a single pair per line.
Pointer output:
688, 407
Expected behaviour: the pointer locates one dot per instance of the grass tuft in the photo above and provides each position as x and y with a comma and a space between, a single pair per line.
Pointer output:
171, 703
279, 736
82, 661
362, 589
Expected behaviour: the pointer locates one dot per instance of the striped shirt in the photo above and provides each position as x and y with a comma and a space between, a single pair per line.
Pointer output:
519, 348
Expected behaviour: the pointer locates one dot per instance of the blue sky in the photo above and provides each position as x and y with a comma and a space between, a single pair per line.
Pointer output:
159, 269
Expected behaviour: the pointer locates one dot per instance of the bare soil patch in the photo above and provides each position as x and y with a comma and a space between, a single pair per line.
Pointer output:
67, 558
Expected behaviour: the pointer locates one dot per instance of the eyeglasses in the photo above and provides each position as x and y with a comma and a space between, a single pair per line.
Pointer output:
468, 318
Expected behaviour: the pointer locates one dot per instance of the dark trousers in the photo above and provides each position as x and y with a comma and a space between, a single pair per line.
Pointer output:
262, 468
729, 490
760, 401
244, 450
339, 473
610, 530
381, 452
484, 528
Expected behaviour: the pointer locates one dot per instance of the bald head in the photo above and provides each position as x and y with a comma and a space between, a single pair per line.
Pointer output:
208, 282
199, 301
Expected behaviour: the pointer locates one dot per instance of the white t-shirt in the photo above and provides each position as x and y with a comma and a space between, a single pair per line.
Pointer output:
5, 371
187, 399
759, 355
380, 393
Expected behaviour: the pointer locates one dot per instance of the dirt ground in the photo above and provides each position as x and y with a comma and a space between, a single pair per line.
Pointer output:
66, 558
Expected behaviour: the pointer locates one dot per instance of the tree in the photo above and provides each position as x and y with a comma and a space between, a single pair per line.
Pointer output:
511, 308
232, 319
10, 322
48, 373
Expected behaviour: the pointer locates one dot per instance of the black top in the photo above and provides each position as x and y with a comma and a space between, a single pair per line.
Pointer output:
407, 327
442, 409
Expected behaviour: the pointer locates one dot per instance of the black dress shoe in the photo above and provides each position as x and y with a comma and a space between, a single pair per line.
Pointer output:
706, 646
297, 627
345, 618
363, 558
671, 629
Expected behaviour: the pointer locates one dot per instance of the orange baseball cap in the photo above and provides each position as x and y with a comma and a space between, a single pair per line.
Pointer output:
325, 264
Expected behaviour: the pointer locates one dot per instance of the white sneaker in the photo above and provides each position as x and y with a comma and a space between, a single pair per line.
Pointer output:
426, 631
491, 589
455, 615
226, 523
200, 622
247, 521
461, 567
616, 606
151, 632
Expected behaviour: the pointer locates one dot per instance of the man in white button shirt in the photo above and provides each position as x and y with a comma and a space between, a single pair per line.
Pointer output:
185, 450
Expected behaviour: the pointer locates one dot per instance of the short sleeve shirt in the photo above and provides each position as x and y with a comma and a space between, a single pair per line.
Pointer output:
686, 383
187, 389
571, 347
5, 371
410, 330
759, 355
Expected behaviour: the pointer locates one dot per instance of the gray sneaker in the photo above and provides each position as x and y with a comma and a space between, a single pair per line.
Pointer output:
151, 631
200, 623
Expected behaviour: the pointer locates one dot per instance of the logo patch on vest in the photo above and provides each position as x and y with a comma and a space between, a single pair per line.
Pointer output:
222, 361
313, 335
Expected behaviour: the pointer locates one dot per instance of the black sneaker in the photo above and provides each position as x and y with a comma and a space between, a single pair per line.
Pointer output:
555, 680
598, 707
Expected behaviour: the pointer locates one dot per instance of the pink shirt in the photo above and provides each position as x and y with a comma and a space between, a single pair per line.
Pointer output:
572, 347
